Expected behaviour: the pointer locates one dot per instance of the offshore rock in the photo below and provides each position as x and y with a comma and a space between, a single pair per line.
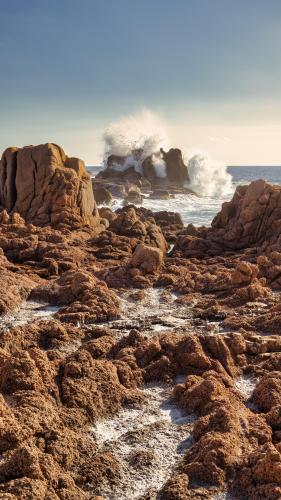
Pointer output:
143, 171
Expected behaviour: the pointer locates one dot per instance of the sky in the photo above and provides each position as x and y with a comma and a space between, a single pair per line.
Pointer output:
209, 69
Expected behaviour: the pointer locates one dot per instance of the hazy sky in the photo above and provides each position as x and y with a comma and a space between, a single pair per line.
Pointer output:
210, 68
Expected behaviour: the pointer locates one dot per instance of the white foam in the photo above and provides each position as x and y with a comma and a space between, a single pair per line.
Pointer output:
159, 166
208, 177
193, 209
151, 312
28, 312
143, 131
246, 385
156, 427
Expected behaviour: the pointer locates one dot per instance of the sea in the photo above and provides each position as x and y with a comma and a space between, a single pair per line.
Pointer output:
200, 210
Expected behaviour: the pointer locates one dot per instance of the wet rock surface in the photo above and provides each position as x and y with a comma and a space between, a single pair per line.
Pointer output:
128, 371
143, 170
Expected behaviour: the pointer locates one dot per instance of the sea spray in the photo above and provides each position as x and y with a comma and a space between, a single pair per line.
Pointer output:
208, 177
143, 131
137, 137
159, 165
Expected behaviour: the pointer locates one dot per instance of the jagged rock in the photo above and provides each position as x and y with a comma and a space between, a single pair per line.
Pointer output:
46, 187
127, 223
15, 287
142, 171
177, 172
251, 219
84, 297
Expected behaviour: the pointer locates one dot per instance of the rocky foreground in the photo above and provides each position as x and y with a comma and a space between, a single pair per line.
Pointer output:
159, 375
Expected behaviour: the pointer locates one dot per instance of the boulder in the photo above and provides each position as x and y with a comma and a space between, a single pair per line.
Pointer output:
160, 194
102, 195
127, 223
134, 197
170, 222
46, 187
148, 259
116, 190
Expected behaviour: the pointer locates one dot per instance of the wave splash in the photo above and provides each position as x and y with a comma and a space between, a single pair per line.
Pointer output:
208, 177
143, 132
137, 137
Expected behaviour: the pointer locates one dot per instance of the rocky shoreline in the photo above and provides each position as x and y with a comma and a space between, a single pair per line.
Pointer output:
138, 332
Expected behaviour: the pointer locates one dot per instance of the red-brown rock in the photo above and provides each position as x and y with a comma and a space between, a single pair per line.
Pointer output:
46, 187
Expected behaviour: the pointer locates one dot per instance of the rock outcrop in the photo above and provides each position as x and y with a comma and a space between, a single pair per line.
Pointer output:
83, 297
15, 286
160, 169
127, 223
252, 219
177, 172
46, 187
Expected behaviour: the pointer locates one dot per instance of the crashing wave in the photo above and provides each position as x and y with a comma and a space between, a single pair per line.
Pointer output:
208, 177
135, 138
131, 141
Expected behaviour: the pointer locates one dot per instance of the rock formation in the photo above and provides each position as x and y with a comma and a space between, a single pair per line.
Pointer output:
46, 187
177, 172
202, 323
162, 169
252, 219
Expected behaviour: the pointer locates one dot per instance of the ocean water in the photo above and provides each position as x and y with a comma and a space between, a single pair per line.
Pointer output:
200, 210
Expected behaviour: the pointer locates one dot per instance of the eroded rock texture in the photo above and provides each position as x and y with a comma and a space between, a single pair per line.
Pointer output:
46, 187
202, 322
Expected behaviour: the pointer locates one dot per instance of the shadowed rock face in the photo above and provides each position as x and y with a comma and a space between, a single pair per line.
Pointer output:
177, 172
46, 187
